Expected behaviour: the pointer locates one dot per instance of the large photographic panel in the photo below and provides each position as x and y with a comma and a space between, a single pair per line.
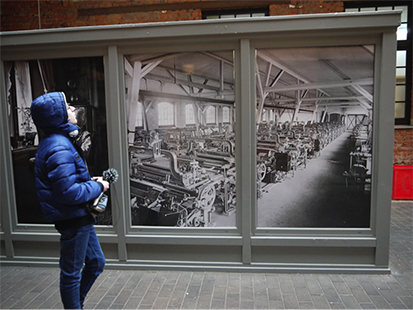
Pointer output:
180, 109
314, 136
82, 82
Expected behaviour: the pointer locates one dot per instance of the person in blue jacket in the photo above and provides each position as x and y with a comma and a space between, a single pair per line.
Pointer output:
64, 188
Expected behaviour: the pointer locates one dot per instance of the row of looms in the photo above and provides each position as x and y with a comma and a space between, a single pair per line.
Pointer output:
360, 148
182, 176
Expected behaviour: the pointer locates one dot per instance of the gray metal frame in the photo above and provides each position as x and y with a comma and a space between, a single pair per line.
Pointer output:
243, 247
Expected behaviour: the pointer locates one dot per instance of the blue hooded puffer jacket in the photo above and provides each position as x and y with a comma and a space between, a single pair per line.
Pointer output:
63, 183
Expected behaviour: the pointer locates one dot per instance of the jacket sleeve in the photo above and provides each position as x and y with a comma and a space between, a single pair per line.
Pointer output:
69, 177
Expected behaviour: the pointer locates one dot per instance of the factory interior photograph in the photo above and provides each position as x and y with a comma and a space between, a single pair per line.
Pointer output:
314, 118
259, 154
314, 134
82, 82
257, 144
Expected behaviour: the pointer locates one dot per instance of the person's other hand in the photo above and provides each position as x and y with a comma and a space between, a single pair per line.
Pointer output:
103, 182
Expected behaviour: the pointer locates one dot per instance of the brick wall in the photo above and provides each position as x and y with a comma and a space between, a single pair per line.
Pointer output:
24, 15
306, 7
45, 14
403, 146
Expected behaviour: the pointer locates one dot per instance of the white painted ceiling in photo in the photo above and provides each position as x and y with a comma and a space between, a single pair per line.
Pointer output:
307, 79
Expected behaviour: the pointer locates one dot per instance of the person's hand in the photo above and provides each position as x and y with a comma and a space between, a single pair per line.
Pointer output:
103, 182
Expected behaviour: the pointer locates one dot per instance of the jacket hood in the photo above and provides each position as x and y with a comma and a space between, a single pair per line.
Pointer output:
49, 113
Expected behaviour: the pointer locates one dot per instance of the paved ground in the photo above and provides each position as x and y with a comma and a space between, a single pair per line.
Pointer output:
37, 288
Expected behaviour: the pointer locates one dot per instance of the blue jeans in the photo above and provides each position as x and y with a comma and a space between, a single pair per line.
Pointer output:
81, 262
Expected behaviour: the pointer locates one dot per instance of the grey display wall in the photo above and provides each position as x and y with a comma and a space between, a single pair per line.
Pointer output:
261, 144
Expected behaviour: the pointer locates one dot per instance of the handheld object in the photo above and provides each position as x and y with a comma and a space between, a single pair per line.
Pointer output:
99, 204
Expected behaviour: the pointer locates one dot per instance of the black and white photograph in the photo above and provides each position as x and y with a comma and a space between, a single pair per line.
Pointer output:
196, 136
314, 136
82, 82
180, 109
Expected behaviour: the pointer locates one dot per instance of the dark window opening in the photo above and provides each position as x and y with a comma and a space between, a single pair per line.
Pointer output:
238, 13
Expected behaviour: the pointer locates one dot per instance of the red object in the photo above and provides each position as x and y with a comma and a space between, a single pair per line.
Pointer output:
402, 183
